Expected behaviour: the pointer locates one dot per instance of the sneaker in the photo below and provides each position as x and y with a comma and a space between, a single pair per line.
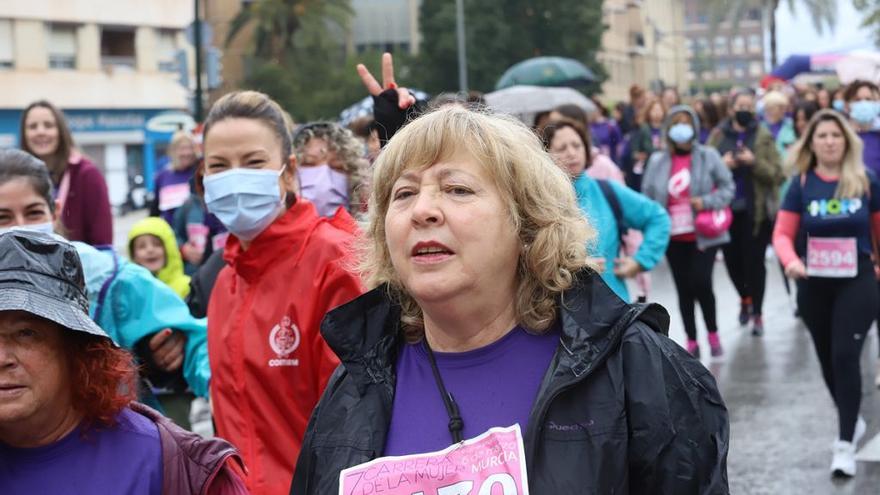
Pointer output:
758, 326
843, 463
745, 310
715, 344
693, 348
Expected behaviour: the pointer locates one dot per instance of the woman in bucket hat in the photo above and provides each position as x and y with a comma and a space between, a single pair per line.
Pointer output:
68, 422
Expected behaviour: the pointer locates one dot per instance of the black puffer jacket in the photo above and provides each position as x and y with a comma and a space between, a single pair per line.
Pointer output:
621, 409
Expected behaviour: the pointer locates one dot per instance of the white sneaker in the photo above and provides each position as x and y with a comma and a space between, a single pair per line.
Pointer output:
844, 461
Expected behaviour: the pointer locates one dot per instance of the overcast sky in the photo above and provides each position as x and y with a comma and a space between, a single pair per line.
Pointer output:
797, 36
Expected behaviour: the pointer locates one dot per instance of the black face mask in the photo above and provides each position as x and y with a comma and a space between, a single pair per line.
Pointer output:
744, 117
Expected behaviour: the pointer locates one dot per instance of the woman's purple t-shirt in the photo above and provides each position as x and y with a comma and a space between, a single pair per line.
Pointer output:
495, 385
124, 459
871, 154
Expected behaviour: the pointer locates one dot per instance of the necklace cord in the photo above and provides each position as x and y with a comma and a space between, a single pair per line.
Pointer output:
456, 423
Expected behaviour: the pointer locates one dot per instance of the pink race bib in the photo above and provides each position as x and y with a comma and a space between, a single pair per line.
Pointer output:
681, 218
490, 464
173, 196
832, 257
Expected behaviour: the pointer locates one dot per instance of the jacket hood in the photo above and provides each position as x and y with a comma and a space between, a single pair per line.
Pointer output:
365, 332
667, 123
172, 273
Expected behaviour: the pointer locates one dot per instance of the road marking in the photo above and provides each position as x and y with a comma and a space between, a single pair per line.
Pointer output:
871, 451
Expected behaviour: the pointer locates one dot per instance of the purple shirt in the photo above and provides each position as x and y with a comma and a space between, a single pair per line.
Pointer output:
172, 190
775, 128
495, 385
606, 136
124, 459
871, 154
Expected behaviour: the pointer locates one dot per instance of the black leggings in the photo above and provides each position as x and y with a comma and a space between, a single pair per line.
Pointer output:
692, 273
838, 313
744, 258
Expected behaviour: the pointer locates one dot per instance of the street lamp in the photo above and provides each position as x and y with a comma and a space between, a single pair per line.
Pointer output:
462, 54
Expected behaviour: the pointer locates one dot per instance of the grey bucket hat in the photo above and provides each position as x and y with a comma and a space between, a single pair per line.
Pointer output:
42, 275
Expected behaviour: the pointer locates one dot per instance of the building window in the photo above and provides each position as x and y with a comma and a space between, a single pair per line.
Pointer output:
755, 68
62, 46
702, 46
7, 54
722, 70
738, 45
720, 45
753, 14
166, 50
755, 43
689, 46
117, 47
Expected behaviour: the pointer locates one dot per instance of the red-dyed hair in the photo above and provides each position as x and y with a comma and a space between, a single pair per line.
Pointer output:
104, 377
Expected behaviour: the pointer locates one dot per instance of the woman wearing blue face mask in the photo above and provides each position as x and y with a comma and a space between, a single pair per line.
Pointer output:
863, 105
287, 266
687, 178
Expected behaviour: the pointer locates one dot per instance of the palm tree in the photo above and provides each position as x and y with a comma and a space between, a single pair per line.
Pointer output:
276, 22
871, 11
823, 13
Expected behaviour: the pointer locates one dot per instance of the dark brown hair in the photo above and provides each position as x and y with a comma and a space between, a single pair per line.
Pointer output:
57, 163
553, 126
17, 164
849, 94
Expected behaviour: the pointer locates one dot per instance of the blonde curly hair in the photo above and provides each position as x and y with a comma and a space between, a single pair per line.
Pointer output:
538, 195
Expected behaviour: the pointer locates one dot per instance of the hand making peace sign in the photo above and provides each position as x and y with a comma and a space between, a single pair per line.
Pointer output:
404, 98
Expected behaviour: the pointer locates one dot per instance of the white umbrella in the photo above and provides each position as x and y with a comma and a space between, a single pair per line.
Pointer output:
863, 65
524, 101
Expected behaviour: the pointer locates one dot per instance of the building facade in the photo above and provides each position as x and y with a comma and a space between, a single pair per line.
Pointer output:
644, 44
722, 54
110, 65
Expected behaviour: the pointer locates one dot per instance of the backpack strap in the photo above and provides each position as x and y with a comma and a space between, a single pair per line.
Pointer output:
616, 210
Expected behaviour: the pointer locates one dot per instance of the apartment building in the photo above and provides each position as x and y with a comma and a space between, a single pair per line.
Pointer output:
644, 44
110, 65
722, 55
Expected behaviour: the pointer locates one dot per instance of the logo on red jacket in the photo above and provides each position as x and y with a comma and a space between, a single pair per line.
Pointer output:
284, 339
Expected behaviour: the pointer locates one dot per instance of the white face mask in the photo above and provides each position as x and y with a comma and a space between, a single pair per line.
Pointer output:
246, 201
45, 228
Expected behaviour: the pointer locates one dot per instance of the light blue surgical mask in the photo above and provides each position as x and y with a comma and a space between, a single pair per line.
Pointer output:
864, 112
838, 105
246, 201
45, 228
681, 133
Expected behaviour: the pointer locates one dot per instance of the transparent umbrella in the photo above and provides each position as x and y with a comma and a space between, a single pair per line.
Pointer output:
526, 101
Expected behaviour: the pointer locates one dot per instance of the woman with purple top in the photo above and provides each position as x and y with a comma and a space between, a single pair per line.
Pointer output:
173, 183
863, 106
604, 132
486, 319
79, 187
68, 420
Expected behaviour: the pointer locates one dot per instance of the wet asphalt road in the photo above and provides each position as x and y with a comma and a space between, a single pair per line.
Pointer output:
782, 420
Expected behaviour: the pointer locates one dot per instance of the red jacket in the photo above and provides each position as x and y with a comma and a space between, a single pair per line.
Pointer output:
269, 363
